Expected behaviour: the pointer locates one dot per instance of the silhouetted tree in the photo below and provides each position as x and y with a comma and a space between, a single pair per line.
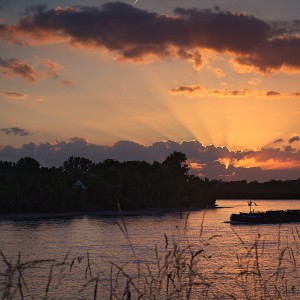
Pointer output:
28, 163
176, 163
78, 164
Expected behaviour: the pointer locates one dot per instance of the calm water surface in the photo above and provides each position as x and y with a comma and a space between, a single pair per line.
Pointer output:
104, 242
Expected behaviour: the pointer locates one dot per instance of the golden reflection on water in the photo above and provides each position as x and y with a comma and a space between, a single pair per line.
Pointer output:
230, 252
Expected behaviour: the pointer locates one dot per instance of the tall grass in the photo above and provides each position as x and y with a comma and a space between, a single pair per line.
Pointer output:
262, 276
180, 269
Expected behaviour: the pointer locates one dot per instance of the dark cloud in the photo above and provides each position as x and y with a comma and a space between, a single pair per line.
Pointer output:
9, 153
278, 141
289, 149
15, 131
272, 93
187, 89
13, 95
282, 27
197, 90
206, 161
267, 154
136, 34
16, 67
294, 139
258, 174
5, 3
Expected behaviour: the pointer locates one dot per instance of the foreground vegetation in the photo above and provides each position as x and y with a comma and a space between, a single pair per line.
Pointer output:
25, 186
180, 269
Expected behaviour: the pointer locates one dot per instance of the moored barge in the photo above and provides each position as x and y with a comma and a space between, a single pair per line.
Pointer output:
269, 216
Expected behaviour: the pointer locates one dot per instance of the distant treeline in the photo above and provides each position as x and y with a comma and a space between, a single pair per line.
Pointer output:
82, 185
273, 189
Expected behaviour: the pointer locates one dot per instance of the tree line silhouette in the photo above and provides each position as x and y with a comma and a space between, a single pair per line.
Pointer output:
25, 186
273, 189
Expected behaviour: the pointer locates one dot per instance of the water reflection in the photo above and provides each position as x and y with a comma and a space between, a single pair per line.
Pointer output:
150, 236
41, 222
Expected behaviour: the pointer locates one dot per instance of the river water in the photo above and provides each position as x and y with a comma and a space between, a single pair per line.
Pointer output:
96, 256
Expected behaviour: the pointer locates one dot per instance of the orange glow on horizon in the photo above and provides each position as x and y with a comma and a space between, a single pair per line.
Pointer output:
270, 164
195, 165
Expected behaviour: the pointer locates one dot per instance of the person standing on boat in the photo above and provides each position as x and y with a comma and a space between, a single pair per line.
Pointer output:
250, 206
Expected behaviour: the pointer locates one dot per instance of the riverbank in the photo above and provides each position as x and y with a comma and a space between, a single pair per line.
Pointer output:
102, 213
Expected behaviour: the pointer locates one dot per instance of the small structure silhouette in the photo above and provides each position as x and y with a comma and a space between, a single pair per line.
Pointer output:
80, 185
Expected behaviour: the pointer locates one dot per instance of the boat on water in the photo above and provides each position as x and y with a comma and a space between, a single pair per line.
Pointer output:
267, 217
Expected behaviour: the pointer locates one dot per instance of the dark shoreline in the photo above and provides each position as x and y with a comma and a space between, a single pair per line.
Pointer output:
102, 213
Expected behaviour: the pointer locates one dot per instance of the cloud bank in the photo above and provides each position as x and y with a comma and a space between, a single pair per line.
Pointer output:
138, 35
205, 161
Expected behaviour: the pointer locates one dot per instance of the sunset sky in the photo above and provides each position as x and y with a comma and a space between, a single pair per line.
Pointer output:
136, 80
